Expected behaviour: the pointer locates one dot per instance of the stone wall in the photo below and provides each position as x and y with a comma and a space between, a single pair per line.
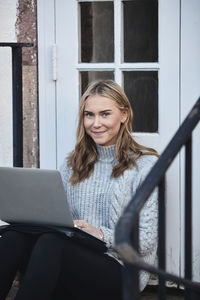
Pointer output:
26, 31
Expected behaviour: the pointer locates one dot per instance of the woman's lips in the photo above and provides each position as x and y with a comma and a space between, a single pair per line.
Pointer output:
98, 132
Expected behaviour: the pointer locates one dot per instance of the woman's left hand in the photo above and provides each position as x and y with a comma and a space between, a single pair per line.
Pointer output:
89, 228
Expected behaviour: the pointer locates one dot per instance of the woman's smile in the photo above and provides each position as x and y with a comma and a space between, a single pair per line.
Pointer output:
98, 132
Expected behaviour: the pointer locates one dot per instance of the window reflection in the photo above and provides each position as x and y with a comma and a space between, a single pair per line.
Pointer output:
140, 30
97, 31
88, 76
141, 88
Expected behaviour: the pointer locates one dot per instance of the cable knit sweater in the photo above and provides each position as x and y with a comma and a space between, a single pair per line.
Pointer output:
100, 200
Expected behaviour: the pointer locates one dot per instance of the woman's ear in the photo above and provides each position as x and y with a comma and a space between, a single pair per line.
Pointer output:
124, 116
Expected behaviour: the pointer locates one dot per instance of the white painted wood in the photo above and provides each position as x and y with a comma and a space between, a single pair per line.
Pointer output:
8, 17
95, 66
54, 61
190, 92
67, 84
6, 125
169, 34
47, 87
117, 64
141, 66
118, 40
93, 0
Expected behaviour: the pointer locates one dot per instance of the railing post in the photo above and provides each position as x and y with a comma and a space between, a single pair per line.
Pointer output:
162, 237
188, 214
130, 283
135, 270
131, 273
17, 107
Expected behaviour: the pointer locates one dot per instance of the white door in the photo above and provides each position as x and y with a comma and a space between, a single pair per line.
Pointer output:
190, 92
134, 42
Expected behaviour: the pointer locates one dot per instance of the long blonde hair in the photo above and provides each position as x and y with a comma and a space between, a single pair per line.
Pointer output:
85, 155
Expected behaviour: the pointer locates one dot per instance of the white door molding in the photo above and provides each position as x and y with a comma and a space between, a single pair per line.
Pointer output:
47, 86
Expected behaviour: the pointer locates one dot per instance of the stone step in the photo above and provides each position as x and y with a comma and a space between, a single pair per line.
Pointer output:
148, 294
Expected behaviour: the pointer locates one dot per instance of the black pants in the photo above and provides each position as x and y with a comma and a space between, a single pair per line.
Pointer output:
56, 268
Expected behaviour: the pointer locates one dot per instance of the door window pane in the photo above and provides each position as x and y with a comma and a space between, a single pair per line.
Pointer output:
141, 88
88, 76
97, 31
140, 31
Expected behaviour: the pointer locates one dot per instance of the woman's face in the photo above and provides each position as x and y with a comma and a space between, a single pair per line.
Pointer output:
102, 119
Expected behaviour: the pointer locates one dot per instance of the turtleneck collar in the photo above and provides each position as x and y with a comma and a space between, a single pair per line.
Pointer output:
106, 153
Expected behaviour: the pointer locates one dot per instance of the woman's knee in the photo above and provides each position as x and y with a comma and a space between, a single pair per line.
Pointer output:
11, 234
14, 246
13, 239
49, 241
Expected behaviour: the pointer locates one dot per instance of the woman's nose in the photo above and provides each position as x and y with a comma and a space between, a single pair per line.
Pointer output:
97, 122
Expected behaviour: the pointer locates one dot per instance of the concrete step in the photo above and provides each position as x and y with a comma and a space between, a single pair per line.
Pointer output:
148, 294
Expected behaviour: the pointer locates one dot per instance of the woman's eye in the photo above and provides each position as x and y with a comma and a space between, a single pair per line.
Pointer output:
88, 114
105, 114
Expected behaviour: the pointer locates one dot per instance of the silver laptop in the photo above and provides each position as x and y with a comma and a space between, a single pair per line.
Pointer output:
33, 196
36, 197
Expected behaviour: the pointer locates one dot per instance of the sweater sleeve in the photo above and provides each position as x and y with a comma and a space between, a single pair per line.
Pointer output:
108, 235
148, 235
65, 174
148, 225
148, 221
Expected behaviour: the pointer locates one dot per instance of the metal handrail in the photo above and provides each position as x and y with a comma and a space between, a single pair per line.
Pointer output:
17, 101
128, 222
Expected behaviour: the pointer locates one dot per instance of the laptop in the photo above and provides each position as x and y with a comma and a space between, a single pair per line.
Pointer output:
35, 200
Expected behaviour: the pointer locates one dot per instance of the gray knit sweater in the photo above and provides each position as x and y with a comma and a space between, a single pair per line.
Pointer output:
100, 200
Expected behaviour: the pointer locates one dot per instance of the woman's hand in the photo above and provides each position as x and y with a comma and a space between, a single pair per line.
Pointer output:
89, 228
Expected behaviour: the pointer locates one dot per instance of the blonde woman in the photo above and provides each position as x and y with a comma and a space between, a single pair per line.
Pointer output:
100, 177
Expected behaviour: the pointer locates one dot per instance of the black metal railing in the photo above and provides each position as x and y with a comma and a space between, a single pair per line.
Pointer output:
17, 102
127, 227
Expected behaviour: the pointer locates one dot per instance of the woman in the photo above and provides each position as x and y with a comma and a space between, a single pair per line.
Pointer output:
100, 177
